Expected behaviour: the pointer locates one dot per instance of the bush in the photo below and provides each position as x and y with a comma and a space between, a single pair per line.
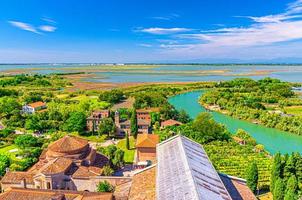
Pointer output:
105, 186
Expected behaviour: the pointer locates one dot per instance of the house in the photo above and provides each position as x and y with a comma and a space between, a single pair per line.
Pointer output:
32, 194
34, 107
146, 147
123, 126
69, 163
170, 122
143, 120
95, 118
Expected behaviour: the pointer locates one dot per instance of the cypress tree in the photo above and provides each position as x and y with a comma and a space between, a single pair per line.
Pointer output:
276, 171
134, 128
127, 141
279, 190
252, 177
291, 188
289, 168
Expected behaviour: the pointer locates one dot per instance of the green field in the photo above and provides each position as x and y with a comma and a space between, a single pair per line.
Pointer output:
129, 154
6, 150
294, 110
233, 159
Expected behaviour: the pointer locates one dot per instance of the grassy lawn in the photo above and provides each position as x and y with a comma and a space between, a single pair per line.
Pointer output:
129, 154
6, 150
294, 110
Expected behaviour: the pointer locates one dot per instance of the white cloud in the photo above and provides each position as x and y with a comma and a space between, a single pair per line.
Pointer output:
264, 32
47, 28
166, 17
145, 45
164, 31
24, 26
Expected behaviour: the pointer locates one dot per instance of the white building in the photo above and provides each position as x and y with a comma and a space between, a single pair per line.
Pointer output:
33, 107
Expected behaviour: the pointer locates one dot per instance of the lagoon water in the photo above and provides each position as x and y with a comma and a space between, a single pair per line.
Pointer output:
273, 139
167, 73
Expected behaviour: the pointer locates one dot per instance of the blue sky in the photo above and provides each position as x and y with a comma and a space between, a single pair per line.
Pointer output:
150, 31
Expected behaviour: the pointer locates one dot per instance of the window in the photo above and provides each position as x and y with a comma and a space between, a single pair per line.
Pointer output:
48, 185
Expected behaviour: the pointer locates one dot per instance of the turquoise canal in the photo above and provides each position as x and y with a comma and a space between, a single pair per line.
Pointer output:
273, 139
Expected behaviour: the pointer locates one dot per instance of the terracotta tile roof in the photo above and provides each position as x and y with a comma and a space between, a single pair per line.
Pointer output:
147, 140
121, 192
57, 165
237, 188
37, 104
38, 194
68, 144
143, 185
170, 122
86, 172
17, 177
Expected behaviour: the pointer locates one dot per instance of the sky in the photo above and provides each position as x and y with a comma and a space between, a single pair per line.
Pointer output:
120, 31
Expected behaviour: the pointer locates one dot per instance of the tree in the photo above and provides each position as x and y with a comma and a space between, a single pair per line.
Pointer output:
105, 186
279, 190
127, 142
252, 177
289, 168
4, 163
291, 188
276, 171
107, 170
8, 105
118, 160
183, 116
107, 126
207, 129
75, 122
27, 140
113, 96
134, 128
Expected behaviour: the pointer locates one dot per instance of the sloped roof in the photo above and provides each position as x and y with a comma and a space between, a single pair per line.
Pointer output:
237, 188
143, 122
39, 194
17, 177
37, 104
170, 122
143, 185
184, 171
147, 140
86, 172
58, 165
68, 144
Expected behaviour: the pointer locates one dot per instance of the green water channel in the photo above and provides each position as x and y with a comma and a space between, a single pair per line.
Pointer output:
274, 140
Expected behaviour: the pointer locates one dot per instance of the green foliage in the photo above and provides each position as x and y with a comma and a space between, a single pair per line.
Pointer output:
183, 117
105, 186
107, 170
291, 188
252, 177
115, 156
107, 126
118, 160
276, 171
4, 163
112, 96
26, 141
127, 142
279, 190
231, 158
250, 100
133, 126
205, 129
246, 137
8, 105
75, 122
